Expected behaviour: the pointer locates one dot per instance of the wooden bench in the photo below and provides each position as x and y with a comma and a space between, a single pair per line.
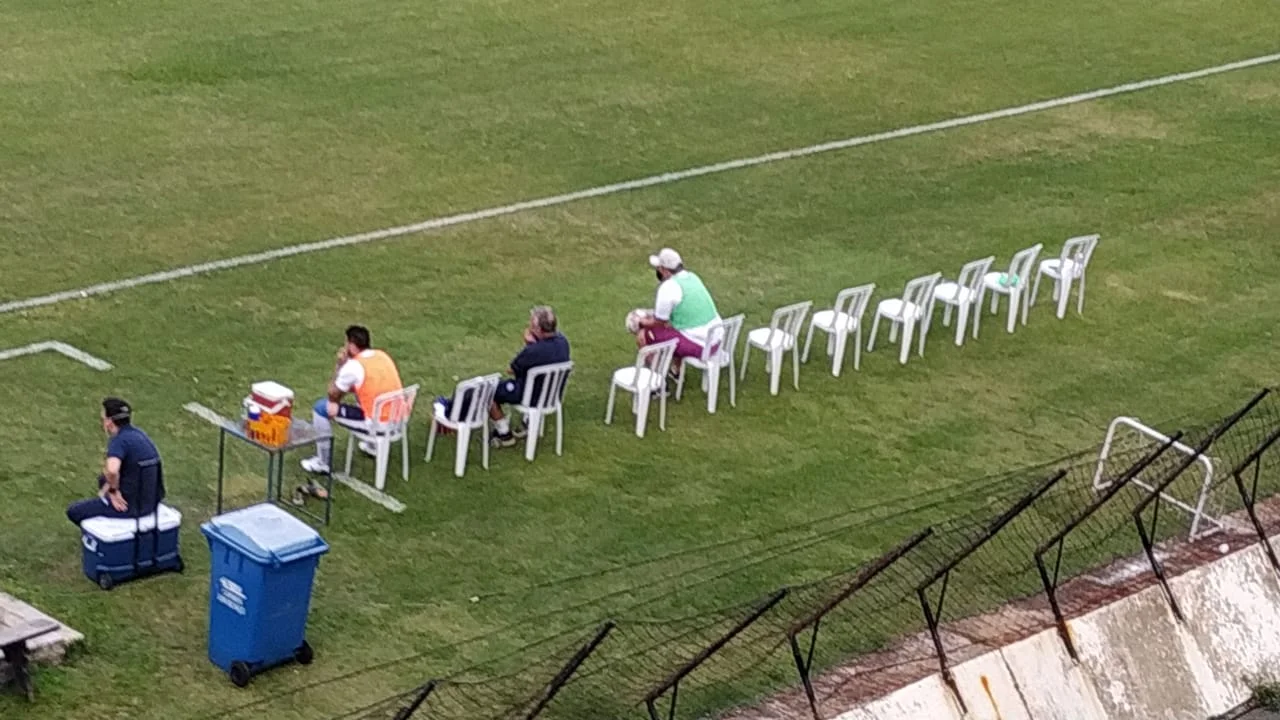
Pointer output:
13, 646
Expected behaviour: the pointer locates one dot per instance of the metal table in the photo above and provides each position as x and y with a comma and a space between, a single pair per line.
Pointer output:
301, 434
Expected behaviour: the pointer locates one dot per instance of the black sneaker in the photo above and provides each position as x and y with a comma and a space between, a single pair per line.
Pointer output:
503, 441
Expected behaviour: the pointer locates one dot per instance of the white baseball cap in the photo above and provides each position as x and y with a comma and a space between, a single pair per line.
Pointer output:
667, 259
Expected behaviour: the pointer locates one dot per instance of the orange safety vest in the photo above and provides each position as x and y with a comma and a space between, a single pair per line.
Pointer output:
380, 376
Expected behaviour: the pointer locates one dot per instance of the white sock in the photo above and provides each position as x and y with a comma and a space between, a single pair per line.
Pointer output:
503, 426
322, 424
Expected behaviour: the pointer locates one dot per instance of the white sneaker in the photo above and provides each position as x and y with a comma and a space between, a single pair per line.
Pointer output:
368, 448
315, 466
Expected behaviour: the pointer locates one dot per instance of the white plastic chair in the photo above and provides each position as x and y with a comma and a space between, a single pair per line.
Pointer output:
782, 334
722, 337
475, 396
908, 311
389, 424
838, 322
1070, 265
550, 381
965, 295
642, 380
1013, 284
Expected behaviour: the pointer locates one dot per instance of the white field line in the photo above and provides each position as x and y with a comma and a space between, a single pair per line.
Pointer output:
206, 414
74, 353
602, 190
369, 492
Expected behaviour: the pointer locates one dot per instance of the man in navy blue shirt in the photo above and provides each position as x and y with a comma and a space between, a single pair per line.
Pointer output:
543, 345
132, 481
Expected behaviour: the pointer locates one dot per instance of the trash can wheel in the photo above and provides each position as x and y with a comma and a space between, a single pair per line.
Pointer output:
105, 581
240, 674
304, 654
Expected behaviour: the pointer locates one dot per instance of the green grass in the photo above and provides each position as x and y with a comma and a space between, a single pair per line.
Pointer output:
158, 134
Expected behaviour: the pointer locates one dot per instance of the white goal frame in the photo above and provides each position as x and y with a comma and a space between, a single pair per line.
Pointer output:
1198, 517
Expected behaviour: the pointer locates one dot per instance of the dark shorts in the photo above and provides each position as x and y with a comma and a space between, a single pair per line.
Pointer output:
510, 392
685, 348
348, 415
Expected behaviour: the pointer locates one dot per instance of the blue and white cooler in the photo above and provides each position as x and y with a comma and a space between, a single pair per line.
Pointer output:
116, 550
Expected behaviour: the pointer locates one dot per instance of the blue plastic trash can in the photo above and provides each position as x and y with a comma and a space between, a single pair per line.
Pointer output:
264, 562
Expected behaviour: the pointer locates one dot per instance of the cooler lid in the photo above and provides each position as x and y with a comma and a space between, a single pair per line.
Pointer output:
271, 390
266, 534
112, 530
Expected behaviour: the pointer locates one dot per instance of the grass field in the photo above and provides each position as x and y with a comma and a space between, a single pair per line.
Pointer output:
155, 134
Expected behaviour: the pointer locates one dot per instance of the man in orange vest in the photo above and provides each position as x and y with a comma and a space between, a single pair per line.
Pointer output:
361, 371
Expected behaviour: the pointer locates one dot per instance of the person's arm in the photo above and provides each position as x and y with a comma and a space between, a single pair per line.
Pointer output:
669, 296
111, 473
350, 376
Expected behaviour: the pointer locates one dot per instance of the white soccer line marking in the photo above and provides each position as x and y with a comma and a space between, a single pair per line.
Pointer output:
369, 492
72, 352
206, 414
602, 190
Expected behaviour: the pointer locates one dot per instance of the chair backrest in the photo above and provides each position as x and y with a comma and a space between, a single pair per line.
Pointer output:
392, 410
919, 290
544, 386
853, 301
724, 337
472, 398
656, 358
1078, 250
972, 274
1020, 266
789, 319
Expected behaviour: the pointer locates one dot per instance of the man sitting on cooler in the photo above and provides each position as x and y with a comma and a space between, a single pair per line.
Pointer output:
132, 481
683, 310
361, 371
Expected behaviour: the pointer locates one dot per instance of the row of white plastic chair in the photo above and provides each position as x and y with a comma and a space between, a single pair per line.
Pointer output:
646, 379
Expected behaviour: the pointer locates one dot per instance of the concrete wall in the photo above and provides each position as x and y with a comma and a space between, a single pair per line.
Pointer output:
1137, 661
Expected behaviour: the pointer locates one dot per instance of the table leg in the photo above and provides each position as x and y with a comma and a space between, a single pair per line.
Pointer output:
222, 448
271, 476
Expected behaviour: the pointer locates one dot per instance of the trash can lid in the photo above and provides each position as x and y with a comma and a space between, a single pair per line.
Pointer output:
266, 534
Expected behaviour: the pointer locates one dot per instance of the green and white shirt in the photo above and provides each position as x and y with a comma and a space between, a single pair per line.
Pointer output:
684, 302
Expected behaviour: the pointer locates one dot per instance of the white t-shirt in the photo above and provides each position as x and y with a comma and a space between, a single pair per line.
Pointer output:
351, 374
669, 296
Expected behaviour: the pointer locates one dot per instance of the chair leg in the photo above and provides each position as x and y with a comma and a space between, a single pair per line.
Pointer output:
837, 357
1080, 296
662, 410
680, 382
733, 384
977, 316
857, 349
946, 314
924, 332
608, 410
1023, 302
1013, 311
404, 453
962, 319
746, 357
431, 439
808, 341
1063, 296
904, 351
642, 410
533, 428
351, 452
995, 303
1035, 288
775, 370
464, 445
560, 430
384, 459
893, 330
795, 365
484, 444
712, 377
875, 327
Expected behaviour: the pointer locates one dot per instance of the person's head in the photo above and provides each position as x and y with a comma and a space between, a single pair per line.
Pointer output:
357, 340
542, 321
666, 263
116, 414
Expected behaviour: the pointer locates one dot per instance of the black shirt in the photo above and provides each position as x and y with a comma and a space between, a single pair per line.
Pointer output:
544, 351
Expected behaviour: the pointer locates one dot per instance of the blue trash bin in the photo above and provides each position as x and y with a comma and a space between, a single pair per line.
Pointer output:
264, 562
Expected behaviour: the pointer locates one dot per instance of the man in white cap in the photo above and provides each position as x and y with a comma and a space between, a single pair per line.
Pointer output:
683, 310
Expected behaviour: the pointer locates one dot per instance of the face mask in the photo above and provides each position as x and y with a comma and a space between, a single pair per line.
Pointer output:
658, 273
